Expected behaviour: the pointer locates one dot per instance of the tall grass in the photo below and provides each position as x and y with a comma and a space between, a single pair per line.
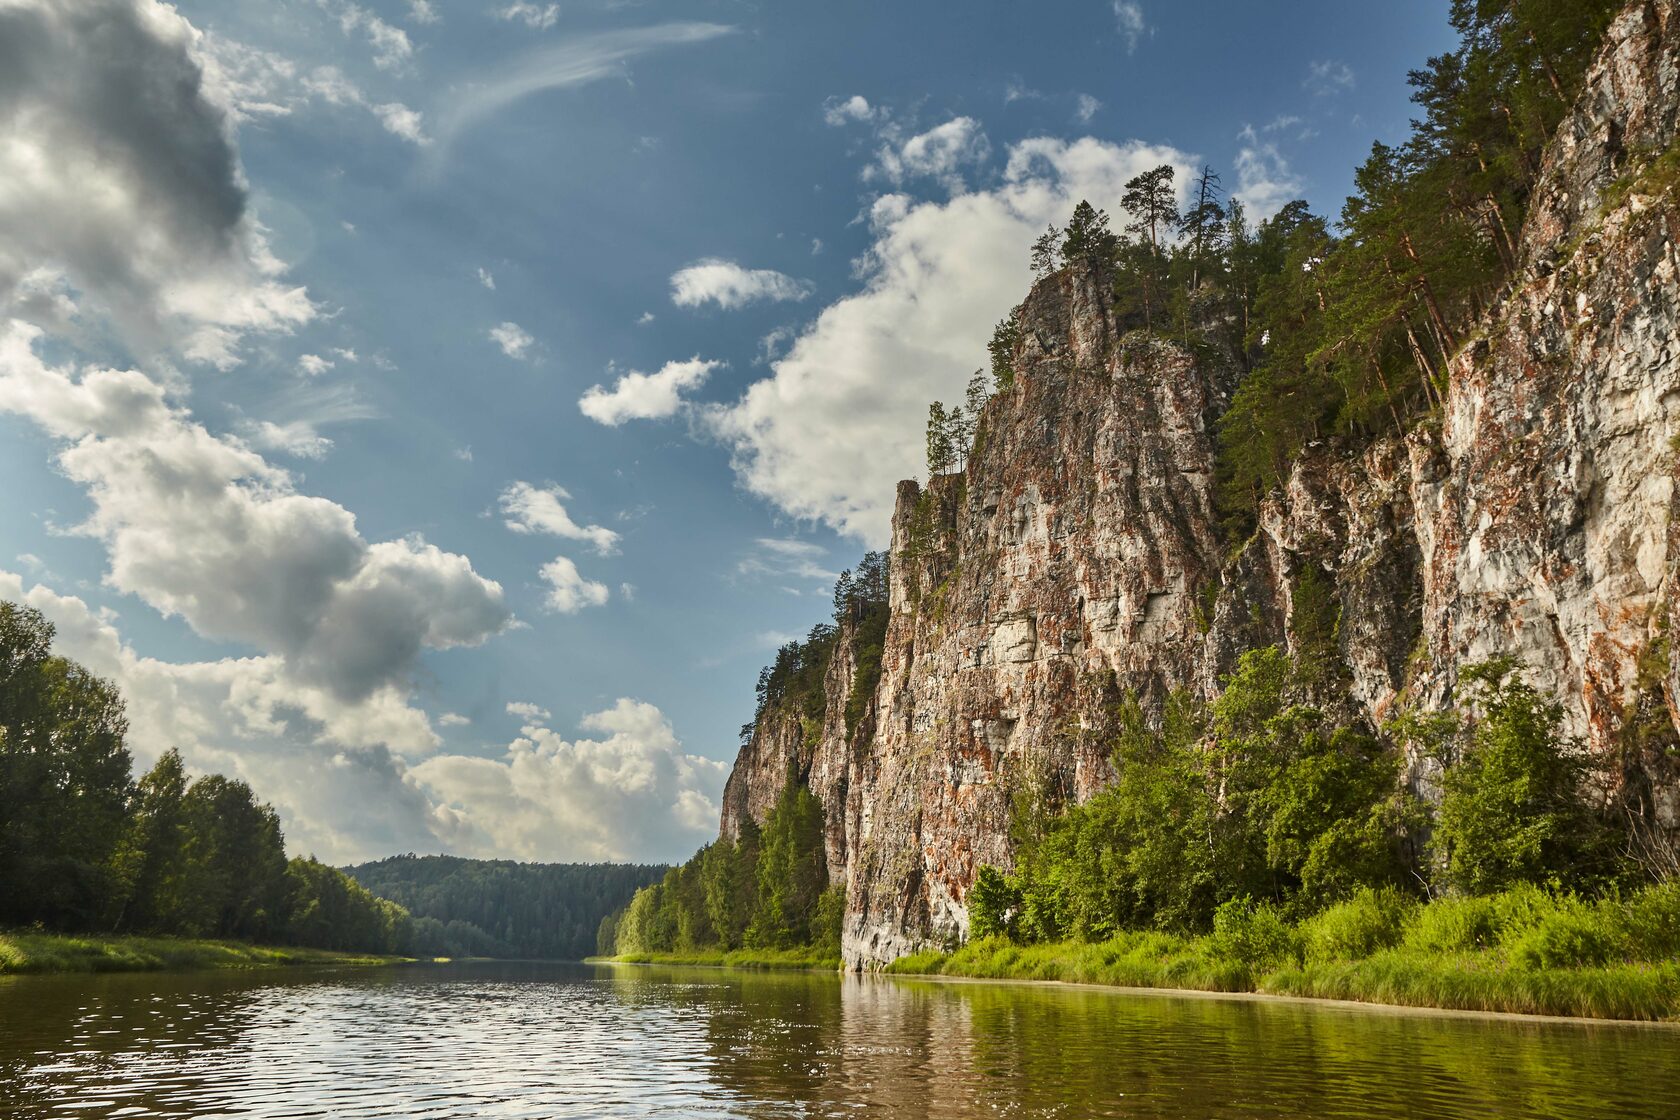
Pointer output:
28, 951
1527, 950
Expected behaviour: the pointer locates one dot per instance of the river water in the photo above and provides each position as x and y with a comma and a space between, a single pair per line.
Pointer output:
550, 1041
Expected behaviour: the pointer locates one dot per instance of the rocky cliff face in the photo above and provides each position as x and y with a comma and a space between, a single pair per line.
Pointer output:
1076, 557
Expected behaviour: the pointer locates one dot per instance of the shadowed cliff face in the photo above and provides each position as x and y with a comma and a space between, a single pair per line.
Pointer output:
1076, 557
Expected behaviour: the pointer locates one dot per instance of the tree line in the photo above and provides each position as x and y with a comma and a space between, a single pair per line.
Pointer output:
87, 847
544, 911
767, 890
1342, 329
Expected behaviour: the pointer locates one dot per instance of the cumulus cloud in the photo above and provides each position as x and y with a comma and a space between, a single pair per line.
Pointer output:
939, 153
1128, 19
120, 177
624, 790
839, 111
203, 528
1085, 107
513, 340
554, 798
329, 85
313, 365
487, 279
568, 591
1264, 178
729, 285
532, 509
421, 11
839, 420
646, 396
538, 17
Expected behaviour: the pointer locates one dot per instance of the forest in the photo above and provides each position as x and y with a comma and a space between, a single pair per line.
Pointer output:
541, 911
86, 847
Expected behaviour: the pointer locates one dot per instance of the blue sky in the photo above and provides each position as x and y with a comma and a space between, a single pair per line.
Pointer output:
362, 266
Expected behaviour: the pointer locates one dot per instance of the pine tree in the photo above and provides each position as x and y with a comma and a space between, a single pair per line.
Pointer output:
1150, 199
1203, 225
940, 452
1087, 236
1044, 253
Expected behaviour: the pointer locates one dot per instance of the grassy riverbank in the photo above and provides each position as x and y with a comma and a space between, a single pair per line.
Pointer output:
28, 951
805, 957
1523, 951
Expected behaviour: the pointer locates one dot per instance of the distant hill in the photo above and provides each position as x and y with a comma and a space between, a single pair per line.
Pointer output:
539, 910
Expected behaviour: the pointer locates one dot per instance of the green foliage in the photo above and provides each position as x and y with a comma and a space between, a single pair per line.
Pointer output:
1254, 935
1369, 921
1006, 337
993, 902
767, 892
1513, 808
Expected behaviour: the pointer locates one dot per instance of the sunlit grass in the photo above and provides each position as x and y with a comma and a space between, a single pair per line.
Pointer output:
1524, 951
28, 951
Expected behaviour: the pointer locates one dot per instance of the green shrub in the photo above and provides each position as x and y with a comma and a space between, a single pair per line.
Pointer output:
1575, 935
1353, 930
992, 903
1454, 925
1651, 922
1254, 934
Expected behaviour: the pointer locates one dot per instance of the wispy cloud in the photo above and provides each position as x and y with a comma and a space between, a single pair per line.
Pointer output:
576, 62
1328, 78
1128, 18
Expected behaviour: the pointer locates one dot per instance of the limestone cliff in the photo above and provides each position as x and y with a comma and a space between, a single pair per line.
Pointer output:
1077, 556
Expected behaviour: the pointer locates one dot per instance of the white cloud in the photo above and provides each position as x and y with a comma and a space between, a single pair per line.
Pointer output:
532, 509
644, 318
568, 591
730, 286
205, 529
121, 183
313, 365
400, 120
329, 84
645, 396
513, 340
551, 798
1328, 77
538, 17
421, 11
1264, 179
624, 790
839, 421
1086, 107
392, 49
296, 438
839, 111
1128, 19
579, 60
938, 153
816, 246
485, 278
1015, 90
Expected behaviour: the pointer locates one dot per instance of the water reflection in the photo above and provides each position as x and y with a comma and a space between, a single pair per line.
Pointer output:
562, 1041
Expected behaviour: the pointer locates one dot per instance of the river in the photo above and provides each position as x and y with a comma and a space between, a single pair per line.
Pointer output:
553, 1040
